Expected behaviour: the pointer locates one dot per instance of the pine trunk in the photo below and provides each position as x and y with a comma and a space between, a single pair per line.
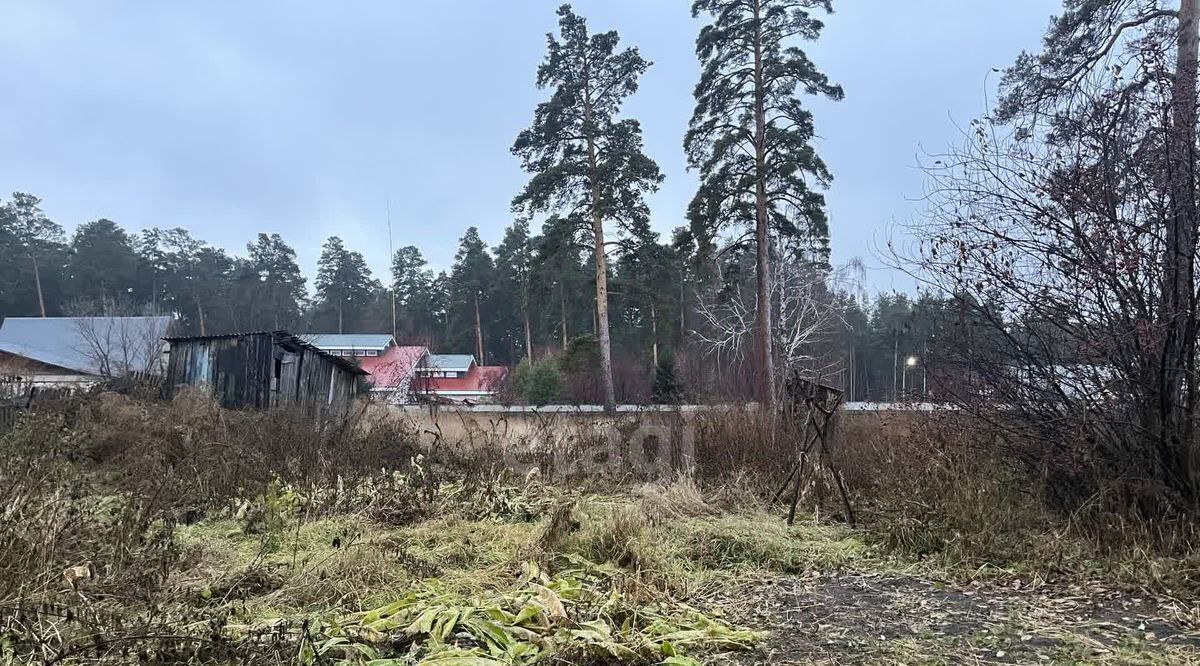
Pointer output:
478, 331
528, 334
562, 303
395, 330
37, 281
762, 273
610, 400
654, 333
682, 309
1177, 402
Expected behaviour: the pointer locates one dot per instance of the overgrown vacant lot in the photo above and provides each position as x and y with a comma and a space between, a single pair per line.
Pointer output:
181, 534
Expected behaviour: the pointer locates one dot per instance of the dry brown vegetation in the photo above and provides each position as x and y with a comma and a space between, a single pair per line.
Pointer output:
182, 533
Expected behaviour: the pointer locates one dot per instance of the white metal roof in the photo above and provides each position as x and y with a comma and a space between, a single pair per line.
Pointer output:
448, 362
348, 340
83, 344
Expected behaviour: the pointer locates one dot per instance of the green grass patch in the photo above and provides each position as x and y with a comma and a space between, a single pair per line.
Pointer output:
762, 541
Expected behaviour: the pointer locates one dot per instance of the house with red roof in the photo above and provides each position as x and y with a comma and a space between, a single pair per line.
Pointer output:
390, 367
457, 378
405, 374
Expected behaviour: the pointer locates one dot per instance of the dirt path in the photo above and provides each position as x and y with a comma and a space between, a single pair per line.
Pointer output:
856, 618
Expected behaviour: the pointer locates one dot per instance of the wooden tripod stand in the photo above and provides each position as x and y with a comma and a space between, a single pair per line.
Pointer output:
819, 404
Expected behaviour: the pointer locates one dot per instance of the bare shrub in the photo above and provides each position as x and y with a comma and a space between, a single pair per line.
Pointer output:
99, 481
942, 485
193, 454
1065, 230
53, 520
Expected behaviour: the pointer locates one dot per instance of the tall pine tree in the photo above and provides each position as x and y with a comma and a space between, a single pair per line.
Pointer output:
585, 159
750, 137
345, 288
557, 271
279, 293
185, 275
34, 256
102, 267
412, 284
511, 291
468, 290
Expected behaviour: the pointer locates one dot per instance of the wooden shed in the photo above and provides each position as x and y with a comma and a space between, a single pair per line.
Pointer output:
263, 370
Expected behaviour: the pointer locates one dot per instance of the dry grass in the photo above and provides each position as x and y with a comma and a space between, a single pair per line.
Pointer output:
937, 488
222, 525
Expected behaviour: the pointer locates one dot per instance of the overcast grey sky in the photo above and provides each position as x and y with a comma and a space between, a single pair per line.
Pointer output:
304, 118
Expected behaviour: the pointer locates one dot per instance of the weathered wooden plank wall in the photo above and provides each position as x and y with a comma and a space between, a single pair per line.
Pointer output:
262, 370
236, 369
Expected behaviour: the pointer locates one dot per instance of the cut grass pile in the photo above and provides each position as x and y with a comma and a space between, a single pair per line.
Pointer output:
577, 616
613, 581
506, 575
600, 579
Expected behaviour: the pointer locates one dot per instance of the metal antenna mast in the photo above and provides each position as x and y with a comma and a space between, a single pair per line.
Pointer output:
391, 258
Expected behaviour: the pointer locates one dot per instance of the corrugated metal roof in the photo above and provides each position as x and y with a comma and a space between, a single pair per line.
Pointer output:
223, 336
283, 336
348, 340
448, 362
83, 344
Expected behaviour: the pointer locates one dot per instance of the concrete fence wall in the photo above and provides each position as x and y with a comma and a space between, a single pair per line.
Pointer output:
656, 439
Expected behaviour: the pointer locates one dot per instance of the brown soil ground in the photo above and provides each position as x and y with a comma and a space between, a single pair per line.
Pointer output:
854, 618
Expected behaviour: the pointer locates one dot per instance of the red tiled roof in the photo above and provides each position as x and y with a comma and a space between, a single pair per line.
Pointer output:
394, 368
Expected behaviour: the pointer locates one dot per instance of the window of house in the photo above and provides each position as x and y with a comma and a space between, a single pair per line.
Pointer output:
360, 352
372, 352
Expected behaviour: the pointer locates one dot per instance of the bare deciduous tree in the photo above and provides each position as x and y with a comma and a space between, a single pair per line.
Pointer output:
120, 342
1066, 229
804, 315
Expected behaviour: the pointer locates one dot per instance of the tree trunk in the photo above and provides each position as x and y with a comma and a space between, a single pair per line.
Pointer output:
762, 273
895, 365
654, 333
682, 308
200, 315
562, 302
478, 331
37, 281
610, 400
340, 308
395, 331
853, 377
528, 334
1177, 387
